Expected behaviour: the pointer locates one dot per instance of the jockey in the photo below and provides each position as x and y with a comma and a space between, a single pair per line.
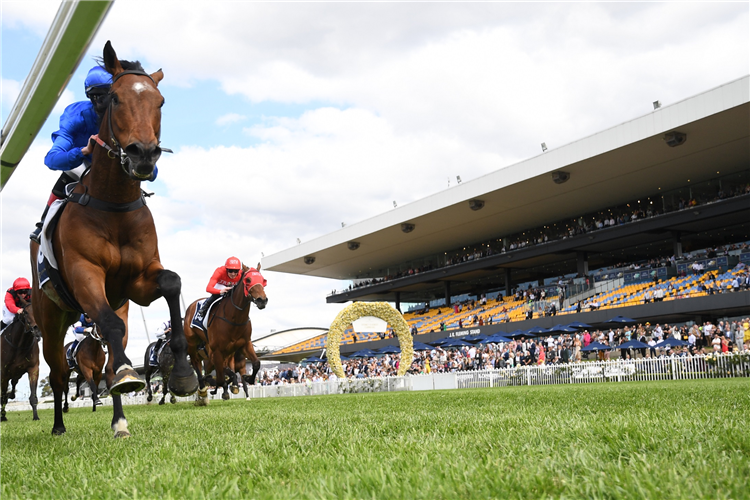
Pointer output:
16, 297
162, 335
73, 144
82, 328
223, 279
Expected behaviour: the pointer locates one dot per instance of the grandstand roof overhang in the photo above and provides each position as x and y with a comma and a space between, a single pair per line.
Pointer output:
614, 166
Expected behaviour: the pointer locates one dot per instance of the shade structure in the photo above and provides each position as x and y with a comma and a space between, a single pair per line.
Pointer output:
633, 344
537, 330
390, 349
564, 329
517, 334
440, 341
578, 324
495, 339
365, 353
421, 346
474, 338
597, 346
453, 343
671, 342
622, 320
313, 359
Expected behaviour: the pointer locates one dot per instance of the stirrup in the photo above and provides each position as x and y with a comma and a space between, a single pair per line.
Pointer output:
36, 235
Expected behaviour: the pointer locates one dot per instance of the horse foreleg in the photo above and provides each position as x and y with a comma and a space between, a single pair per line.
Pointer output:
149, 392
54, 354
183, 381
3, 401
88, 375
33, 375
221, 376
119, 423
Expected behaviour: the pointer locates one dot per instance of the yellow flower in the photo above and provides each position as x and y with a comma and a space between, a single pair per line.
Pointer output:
353, 312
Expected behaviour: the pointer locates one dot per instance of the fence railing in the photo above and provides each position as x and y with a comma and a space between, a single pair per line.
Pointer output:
644, 369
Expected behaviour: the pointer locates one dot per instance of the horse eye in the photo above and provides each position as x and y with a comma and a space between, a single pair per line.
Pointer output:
115, 99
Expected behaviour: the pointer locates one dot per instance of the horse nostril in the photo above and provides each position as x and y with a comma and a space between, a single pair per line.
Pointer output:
134, 151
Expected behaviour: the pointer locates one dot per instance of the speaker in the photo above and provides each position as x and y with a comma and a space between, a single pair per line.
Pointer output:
560, 177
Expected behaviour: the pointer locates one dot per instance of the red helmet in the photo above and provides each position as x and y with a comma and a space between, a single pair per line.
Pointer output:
21, 284
233, 263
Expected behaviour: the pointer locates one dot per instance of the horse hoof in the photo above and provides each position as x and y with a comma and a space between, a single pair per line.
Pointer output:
35, 418
11, 395
183, 386
66, 410
201, 402
98, 402
126, 381
122, 434
3, 419
235, 389
248, 398
58, 431
149, 398
73, 398
203, 393
161, 402
172, 399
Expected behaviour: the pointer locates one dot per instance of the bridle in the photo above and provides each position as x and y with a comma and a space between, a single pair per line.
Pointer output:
27, 329
120, 153
239, 308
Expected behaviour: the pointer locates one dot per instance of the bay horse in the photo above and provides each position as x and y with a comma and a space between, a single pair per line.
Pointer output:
166, 362
90, 361
229, 328
105, 243
19, 355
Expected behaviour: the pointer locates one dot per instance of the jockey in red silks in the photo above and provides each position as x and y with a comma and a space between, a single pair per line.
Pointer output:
15, 298
223, 279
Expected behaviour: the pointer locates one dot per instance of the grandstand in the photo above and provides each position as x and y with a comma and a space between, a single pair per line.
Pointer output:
547, 220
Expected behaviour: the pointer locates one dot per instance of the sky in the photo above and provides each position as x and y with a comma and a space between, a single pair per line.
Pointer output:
289, 119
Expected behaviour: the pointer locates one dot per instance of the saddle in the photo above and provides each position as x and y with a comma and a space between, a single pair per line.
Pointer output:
202, 324
155, 355
50, 280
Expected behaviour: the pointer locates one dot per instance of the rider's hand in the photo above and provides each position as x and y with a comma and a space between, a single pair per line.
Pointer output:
20, 310
90, 146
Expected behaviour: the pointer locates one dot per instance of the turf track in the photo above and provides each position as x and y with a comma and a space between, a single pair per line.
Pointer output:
683, 439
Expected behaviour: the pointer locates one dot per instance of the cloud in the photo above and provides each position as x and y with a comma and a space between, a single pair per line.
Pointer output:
229, 119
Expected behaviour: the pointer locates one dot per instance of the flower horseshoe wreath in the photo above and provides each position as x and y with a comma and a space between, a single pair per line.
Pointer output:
353, 312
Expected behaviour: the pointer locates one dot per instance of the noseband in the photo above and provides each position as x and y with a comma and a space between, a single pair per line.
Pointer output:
125, 160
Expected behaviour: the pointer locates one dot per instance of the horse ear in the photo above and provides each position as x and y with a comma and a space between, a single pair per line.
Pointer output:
111, 63
157, 76
258, 268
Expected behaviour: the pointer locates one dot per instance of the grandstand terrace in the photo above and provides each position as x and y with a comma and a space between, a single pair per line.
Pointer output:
543, 219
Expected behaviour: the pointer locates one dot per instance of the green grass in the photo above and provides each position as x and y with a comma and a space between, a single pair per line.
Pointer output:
683, 439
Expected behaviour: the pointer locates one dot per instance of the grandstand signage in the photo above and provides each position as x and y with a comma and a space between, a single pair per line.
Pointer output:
369, 324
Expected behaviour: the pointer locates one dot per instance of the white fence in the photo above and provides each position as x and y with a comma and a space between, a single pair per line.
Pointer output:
674, 368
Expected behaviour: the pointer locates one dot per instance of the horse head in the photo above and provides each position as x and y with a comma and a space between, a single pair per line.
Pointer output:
134, 114
254, 286
29, 323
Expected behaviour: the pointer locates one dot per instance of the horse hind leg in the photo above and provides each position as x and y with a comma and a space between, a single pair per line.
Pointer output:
33, 382
3, 402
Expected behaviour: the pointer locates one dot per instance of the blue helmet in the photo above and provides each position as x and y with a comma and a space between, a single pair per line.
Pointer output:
98, 77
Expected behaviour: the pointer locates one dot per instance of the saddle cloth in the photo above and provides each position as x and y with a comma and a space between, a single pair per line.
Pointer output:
195, 323
70, 355
155, 355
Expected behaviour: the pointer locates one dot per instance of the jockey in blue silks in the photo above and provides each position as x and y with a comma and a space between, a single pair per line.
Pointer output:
73, 143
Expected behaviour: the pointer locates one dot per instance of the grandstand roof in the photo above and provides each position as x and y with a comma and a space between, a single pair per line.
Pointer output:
279, 340
614, 166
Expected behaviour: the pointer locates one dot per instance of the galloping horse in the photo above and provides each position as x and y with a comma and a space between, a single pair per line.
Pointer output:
228, 325
19, 354
105, 243
166, 362
90, 361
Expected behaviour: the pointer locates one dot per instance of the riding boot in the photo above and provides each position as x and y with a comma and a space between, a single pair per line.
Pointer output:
206, 304
37, 232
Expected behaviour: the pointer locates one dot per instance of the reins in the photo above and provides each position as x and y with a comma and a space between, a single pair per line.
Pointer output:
231, 301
